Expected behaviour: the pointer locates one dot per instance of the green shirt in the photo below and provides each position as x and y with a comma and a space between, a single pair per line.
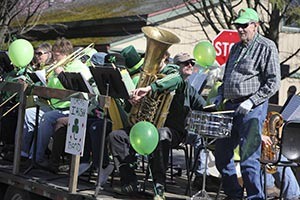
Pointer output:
53, 82
170, 81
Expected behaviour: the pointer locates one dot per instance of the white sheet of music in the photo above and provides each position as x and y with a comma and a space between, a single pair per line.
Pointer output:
292, 109
41, 74
197, 80
87, 84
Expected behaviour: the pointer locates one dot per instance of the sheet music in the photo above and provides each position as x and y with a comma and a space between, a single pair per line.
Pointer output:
292, 109
197, 80
42, 76
38, 75
127, 81
87, 84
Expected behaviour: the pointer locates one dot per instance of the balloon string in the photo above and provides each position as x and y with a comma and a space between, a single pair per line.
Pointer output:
150, 172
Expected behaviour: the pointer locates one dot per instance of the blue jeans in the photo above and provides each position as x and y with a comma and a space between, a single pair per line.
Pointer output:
28, 129
196, 141
246, 132
46, 130
290, 187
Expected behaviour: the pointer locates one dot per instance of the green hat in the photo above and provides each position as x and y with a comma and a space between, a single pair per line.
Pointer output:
115, 58
133, 60
246, 15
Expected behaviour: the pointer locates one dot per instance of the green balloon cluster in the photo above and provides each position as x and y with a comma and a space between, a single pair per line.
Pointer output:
204, 53
20, 53
143, 137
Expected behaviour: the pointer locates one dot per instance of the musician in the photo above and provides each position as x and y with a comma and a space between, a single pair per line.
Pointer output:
94, 125
42, 56
5, 64
252, 76
291, 188
171, 135
61, 49
133, 62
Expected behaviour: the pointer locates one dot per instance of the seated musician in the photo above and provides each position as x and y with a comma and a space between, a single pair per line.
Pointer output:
61, 50
185, 99
42, 57
94, 126
8, 123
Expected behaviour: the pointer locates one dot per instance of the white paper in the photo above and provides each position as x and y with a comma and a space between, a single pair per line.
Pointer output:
88, 85
127, 81
197, 80
41, 74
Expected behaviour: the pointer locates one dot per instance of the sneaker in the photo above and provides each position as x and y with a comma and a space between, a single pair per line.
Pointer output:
129, 188
160, 192
104, 174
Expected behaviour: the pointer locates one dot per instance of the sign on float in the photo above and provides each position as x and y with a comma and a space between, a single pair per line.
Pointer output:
76, 126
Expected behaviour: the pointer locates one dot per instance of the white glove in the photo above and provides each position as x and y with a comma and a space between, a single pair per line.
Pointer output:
244, 107
217, 100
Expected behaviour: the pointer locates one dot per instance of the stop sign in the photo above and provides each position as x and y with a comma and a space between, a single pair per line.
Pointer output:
223, 43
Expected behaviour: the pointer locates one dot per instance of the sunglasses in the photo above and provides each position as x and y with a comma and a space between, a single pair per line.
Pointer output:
243, 26
39, 53
190, 62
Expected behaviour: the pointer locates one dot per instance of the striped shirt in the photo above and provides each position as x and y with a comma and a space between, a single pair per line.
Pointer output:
252, 70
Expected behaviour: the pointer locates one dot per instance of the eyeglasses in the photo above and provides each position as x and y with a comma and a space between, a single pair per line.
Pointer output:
189, 62
39, 53
243, 26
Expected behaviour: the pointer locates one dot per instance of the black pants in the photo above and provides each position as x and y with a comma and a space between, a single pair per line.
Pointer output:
124, 155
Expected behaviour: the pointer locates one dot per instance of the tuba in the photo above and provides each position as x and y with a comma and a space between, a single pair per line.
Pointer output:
269, 153
154, 107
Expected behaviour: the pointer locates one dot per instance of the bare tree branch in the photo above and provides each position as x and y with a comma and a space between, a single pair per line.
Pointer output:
291, 56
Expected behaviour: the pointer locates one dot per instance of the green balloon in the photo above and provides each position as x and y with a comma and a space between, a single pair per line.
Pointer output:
204, 53
20, 52
143, 137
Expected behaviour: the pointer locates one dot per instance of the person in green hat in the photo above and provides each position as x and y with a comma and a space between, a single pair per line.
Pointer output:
252, 76
133, 62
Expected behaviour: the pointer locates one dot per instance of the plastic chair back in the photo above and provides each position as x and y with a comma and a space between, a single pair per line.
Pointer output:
290, 141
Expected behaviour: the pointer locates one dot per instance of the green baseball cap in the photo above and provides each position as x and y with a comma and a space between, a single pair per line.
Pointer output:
246, 15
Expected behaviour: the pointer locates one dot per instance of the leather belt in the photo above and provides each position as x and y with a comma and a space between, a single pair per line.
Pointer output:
239, 100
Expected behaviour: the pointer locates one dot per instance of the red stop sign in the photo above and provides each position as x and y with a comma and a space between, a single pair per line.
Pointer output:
223, 43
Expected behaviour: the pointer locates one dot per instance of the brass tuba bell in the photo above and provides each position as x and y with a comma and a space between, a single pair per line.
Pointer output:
154, 107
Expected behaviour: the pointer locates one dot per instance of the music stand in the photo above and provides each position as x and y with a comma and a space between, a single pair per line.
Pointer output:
107, 76
109, 83
75, 81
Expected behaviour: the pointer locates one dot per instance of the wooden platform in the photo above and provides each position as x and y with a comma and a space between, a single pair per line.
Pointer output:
55, 186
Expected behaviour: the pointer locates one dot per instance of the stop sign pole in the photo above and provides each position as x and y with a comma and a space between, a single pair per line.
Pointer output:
223, 43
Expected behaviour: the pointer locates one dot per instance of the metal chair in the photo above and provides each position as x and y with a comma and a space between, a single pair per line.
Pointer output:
187, 151
289, 148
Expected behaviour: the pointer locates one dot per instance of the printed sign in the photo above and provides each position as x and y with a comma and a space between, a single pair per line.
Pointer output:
76, 126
